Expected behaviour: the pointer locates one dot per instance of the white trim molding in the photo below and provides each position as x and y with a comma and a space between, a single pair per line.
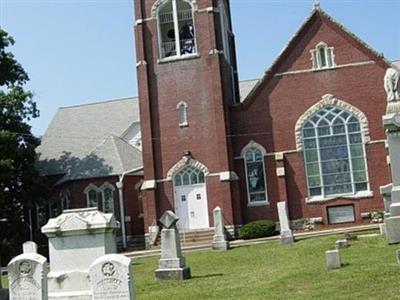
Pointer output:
148, 185
228, 176
359, 195
327, 100
185, 161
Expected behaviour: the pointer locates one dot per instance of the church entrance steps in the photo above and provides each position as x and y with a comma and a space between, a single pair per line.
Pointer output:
238, 243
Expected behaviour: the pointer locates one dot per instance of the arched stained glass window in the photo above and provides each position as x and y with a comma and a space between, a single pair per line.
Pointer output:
255, 175
108, 200
188, 176
176, 28
334, 153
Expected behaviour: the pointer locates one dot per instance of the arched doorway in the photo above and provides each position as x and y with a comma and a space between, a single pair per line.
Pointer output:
191, 198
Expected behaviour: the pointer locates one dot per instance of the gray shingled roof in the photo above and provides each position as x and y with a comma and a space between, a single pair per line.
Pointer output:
76, 131
245, 87
113, 156
396, 63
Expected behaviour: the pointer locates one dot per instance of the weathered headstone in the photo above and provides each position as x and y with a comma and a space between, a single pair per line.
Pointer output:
342, 244
27, 276
111, 277
391, 123
219, 240
398, 256
29, 247
382, 229
76, 239
172, 264
333, 259
285, 231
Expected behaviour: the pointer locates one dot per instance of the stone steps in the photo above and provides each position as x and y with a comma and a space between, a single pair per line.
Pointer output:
192, 238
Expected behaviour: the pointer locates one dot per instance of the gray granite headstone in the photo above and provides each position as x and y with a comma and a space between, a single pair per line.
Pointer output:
168, 219
29, 247
111, 277
333, 259
219, 239
172, 264
342, 244
27, 276
391, 123
285, 231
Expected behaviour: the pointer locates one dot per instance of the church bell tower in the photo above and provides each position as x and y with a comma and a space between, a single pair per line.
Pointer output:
187, 77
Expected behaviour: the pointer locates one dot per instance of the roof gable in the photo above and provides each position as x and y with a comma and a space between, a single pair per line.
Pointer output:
319, 22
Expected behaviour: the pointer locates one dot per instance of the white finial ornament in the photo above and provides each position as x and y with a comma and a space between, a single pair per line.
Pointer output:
317, 4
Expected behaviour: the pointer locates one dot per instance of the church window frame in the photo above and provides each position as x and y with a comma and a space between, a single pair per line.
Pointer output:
179, 41
322, 56
333, 140
253, 155
182, 108
108, 192
189, 175
65, 197
93, 195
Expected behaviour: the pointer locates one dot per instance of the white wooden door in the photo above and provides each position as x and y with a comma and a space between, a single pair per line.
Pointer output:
191, 206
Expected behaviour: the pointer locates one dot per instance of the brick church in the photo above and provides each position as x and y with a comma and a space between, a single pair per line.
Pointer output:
309, 132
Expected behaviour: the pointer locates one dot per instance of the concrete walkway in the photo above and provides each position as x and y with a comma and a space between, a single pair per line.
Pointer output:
239, 243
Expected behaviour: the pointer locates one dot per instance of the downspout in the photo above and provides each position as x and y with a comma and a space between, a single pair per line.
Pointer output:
120, 186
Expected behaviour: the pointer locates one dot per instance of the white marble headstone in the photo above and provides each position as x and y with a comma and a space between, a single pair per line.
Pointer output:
27, 276
111, 277
29, 247
286, 232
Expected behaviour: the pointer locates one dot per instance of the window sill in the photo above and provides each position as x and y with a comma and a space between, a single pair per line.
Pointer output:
359, 195
255, 204
184, 125
177, 58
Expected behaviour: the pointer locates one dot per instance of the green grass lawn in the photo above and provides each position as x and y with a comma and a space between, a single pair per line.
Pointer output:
274, 271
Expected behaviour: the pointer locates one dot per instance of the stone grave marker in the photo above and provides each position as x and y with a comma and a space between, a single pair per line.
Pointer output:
29, 247
398, 256
76, 238
172, 264
342, 244
111, 277
285, 231
219, 240
333, 259
27, 276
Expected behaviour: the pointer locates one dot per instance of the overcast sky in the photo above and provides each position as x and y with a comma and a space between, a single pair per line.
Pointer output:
81, 51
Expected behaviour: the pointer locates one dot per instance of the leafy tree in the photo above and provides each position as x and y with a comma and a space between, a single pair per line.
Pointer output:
20, 184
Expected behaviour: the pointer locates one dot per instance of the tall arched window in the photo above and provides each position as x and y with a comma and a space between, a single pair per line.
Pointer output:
108, 197
189, 175
65, 197
183, 115
93, 194
253, 155
334, 153
176, 28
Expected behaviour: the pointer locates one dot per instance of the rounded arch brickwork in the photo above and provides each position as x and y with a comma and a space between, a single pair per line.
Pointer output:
158, 3
327, 100
184, 162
